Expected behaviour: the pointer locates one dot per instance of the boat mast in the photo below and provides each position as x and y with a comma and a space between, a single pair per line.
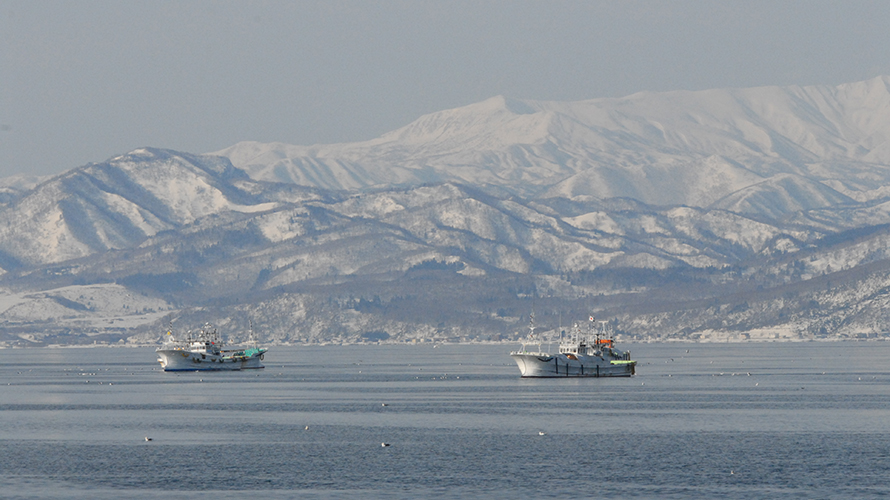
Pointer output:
250, 337
531, 326
169, 336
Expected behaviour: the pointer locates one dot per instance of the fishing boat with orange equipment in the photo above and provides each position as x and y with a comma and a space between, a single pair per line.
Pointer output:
590, 354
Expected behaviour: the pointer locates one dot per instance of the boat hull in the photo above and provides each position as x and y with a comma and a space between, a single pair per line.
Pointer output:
179, 360
560, 365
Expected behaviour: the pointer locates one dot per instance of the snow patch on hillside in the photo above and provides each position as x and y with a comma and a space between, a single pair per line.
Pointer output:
105, 304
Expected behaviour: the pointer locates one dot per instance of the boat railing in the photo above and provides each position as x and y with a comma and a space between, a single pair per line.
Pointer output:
537, 342
524, 347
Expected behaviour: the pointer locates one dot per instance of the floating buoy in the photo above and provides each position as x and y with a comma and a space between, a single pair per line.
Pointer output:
307, 428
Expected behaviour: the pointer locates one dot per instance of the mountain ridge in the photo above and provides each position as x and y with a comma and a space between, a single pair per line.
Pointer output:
690, 215
648, 146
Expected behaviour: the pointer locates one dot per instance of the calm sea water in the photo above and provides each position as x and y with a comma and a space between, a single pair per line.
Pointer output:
758, 420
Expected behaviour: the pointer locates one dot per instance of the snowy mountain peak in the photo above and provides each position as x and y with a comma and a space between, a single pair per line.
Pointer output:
505, 120
681, 147
145, 158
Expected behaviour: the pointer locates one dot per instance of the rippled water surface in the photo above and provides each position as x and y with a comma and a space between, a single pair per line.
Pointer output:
758, 420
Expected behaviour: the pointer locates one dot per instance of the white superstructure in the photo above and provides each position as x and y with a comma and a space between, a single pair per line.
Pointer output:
204, 351
580, 355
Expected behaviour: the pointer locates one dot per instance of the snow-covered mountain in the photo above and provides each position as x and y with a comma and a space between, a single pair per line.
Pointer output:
117, 204
680, 214
766, 150
405, 261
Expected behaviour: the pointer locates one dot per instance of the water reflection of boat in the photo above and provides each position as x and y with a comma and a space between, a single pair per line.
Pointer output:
204, 350
590, 354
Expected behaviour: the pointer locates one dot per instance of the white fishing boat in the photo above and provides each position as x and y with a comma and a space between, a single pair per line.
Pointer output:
590, 354
204, 350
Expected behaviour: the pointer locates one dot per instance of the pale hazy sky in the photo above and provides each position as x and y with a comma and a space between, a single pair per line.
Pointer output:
82, 81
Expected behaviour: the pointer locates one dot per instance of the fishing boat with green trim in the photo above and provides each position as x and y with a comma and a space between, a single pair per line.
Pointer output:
204, 351
590, 354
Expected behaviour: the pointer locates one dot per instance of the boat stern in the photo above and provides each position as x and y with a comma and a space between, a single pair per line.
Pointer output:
628, 365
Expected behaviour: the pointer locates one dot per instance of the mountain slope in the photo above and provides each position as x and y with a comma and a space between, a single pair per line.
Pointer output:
690, 148
116, 204
682, 214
